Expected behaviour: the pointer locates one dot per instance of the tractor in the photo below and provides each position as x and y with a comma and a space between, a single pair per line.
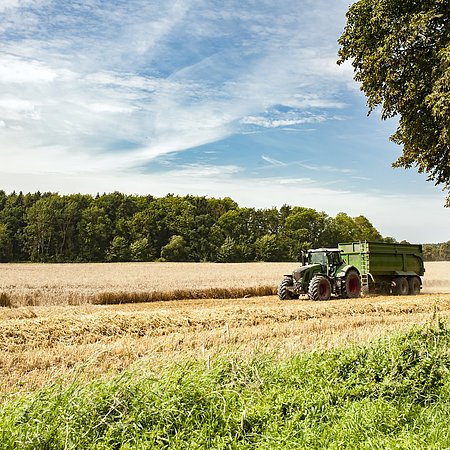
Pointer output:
323, 273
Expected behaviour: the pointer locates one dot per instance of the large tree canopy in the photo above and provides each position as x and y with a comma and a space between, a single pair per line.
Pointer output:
400, 51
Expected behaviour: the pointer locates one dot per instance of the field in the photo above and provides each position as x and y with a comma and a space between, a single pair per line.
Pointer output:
57, 331
77, 284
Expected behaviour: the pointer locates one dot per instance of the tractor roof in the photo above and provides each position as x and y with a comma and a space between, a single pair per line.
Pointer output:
321, 250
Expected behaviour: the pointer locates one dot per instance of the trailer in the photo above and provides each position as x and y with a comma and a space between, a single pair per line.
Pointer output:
356, 268
386, 268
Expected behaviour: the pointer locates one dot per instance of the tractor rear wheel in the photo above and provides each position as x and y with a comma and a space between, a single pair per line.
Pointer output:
283, 292
401, 286
352, 284
319, 288
414, 285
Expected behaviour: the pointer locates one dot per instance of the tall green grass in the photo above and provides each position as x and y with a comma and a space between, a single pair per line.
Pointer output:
392, 393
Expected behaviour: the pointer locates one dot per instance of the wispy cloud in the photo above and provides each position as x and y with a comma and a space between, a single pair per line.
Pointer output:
289, 120
272, 161
97, 76
324, 168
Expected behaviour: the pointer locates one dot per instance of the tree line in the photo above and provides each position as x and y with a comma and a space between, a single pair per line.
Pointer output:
437, 252
48, 227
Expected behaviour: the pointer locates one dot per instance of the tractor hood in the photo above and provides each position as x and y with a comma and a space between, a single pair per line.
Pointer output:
297, 274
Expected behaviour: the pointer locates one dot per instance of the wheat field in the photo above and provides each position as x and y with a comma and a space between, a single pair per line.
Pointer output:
76, 284
39, 344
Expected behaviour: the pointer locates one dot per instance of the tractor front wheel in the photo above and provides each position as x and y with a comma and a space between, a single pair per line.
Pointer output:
319, 288
283, 292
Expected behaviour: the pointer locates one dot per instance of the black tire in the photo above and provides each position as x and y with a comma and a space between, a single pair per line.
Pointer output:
352, 284
319, 288
283, 293
401, 286
414, 285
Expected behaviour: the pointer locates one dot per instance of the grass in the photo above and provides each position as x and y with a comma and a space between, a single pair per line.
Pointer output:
391, 393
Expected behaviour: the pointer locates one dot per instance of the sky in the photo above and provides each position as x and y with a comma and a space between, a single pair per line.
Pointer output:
237, 98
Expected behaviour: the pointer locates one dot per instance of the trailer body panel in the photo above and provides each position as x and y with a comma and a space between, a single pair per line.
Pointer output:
384, 259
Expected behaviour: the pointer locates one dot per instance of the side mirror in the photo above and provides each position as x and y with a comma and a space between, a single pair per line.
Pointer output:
303, 258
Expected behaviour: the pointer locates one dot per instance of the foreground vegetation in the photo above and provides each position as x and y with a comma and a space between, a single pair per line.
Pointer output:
392, 393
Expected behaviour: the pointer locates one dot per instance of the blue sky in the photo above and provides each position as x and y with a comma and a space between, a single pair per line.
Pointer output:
219, 98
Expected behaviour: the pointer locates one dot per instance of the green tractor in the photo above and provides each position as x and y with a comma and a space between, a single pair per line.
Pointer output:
323, 273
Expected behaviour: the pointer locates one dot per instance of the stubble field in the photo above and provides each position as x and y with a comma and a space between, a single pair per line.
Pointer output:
55, 329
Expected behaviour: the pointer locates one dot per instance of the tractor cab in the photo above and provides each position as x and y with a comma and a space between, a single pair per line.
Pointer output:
328, 258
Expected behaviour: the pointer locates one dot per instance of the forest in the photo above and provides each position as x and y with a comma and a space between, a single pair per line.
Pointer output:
49, 227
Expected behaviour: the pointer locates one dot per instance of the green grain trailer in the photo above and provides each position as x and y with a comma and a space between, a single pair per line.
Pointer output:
386, 268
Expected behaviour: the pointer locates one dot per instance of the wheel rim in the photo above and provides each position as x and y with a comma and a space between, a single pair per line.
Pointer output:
353, 285
323, 290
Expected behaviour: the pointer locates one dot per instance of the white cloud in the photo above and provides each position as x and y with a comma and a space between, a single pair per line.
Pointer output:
276, 123
272, 161
324, 168
196, 171
16, 70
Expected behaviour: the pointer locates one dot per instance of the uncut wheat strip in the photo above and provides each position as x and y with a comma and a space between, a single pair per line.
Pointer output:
43, 298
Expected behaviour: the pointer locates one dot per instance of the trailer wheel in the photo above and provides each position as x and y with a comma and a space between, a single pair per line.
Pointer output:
283, 293
352, 284
401, 286
414, 285
319, 288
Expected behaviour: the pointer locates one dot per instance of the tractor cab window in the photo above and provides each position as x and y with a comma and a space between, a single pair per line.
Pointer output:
318, 258
334, 259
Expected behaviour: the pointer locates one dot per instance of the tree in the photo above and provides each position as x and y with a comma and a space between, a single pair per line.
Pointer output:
241, 228
119, 250
44, 230
176, 250
306, 228
13, 217
365, 230
267, 248
343, 229
95, 234
229, 251
141, 250
6, 244
400, 51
